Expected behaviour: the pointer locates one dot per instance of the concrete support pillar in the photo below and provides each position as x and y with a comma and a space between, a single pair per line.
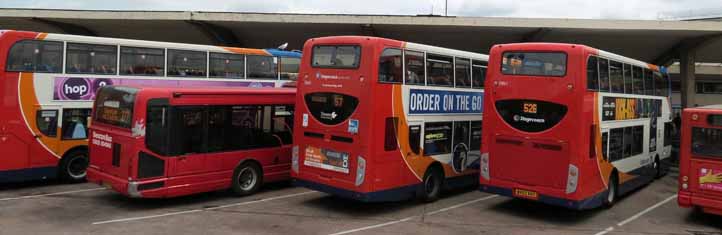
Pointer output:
687, 77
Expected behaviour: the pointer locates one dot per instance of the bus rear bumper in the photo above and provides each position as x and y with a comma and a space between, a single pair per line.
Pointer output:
133, 189
711, 206
584, 204
107, 180
389, 195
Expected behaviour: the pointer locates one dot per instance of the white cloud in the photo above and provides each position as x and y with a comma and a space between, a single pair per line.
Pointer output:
617, 9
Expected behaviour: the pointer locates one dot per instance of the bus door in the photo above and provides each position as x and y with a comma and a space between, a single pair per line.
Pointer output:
47, 121
190, 145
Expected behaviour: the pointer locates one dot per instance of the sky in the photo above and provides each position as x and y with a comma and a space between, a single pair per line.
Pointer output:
585, 9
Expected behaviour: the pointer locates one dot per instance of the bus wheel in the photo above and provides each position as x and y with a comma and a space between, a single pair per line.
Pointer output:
73, 166
247, 178
612, 190
431, 187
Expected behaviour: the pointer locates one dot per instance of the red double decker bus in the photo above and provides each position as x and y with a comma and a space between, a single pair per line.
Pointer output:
700, 163
572, 126
167, 142
386, 120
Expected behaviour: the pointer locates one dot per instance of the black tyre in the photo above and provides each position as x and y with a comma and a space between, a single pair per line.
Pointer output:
247, 179
73, 166
431, 186
612, 190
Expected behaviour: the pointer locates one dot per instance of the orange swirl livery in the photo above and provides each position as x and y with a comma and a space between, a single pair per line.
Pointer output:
49, 82
385, 120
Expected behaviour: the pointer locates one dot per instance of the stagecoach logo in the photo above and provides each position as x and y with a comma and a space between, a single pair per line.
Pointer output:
519, 118
329, 116
319, 75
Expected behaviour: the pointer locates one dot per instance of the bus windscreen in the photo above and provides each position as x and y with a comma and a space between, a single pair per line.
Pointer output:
707, 142
545, 64
114, 106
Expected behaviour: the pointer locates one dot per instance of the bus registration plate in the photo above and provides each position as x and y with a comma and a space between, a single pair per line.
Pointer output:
521, 193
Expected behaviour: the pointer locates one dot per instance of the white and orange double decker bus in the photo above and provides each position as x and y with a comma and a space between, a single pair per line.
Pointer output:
48, 83
384, 120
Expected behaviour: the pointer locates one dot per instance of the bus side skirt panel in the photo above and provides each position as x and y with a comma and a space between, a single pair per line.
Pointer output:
28, 174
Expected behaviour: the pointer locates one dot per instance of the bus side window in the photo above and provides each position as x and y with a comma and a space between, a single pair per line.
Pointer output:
91, 59
156, 137
262, 67
142, 61
390, 139
289, 68
475, 136
628, 80
390, 69
75, 124
616, 144
36, 56
592, 74
415, 139
187, 63
190, 128
463, 73
440, 70
478, 73
47, 122
603, 75
415, 73
283, 123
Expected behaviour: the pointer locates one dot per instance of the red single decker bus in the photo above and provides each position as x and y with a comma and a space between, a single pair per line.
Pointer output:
700, 163
572, 126
167, 142
386, 120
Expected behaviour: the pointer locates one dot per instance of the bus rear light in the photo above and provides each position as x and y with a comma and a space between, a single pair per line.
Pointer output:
695, 117
685, 186
360, 171
572, 179
570, 87
485, 166
685, 178
294, 159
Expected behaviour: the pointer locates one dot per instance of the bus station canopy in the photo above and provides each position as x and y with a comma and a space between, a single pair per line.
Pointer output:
659, 42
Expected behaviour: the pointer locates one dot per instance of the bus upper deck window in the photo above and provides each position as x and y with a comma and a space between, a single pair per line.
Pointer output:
339, 57
547, 64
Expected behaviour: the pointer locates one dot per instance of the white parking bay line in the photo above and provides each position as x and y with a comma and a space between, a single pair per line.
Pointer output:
640, 214
50, 194
414, 217
201, 210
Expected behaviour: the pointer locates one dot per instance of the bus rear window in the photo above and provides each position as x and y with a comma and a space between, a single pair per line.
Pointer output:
342, 57
331, 108
114, 106
707, 142
547, 64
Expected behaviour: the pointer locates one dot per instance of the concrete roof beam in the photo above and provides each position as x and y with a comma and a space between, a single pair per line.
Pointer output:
66, 28
218, 34
537, 35
689, 44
